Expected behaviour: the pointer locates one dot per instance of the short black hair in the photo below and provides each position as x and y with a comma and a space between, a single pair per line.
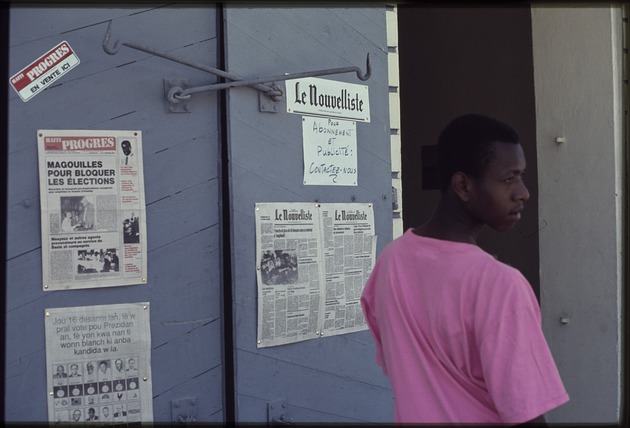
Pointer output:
466, 145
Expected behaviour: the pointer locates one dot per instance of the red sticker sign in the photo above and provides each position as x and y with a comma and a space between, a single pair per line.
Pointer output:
45, 70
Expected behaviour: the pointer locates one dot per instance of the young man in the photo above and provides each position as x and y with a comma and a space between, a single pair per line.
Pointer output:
458, 332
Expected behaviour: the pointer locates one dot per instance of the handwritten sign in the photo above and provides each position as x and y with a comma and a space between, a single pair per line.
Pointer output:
330, 151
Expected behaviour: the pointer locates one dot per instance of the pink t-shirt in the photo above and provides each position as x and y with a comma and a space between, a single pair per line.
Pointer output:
459, 335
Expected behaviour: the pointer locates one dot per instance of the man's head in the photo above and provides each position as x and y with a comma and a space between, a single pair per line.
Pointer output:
466, 145
76, 415
126, 147
480, 160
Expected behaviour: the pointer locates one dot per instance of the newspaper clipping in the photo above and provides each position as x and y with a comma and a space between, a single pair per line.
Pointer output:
92, 208
98, 364
313, 260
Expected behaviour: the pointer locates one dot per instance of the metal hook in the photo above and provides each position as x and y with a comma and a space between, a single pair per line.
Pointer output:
113, 50
368, 70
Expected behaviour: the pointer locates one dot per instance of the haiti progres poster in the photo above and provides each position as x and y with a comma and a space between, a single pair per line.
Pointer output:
93, 215
312, 263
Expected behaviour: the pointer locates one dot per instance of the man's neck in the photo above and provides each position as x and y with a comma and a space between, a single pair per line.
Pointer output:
449, 222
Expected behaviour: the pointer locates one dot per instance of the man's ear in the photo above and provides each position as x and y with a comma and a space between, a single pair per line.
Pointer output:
461, 185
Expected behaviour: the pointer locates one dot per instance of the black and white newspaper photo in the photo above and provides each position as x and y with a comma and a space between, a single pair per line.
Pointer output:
92, 209
313, 260
98, 364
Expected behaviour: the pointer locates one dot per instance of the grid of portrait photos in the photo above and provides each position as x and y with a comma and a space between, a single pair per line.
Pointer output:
102, 390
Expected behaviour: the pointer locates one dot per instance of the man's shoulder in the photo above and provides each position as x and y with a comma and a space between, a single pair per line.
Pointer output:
503, 269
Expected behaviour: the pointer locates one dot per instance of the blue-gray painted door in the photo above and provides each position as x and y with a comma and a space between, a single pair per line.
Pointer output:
331, 379
123, 92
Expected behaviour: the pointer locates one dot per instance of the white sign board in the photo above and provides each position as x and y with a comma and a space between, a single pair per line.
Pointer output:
321, 97
330, 151
98, 361
44, 71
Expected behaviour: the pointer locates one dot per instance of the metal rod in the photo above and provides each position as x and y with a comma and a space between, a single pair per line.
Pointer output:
116, 47
288, 76
177, 94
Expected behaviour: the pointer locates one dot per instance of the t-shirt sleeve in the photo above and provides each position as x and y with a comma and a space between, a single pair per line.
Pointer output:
368, 306
520, 373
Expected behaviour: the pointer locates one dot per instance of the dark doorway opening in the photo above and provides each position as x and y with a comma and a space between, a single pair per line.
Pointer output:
457, 60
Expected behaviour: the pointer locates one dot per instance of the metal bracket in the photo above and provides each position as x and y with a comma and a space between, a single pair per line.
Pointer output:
276, 412
184, 410
176, 94
266, 104
180, 106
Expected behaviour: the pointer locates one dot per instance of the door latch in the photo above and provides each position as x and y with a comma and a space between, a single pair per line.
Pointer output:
277, 412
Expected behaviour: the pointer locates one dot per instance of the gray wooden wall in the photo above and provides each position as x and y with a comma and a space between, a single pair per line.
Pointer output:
328, 379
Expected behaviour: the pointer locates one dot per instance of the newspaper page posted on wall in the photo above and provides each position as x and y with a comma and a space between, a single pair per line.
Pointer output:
98, 364
290, 272
313, 260
93, 212
349, 251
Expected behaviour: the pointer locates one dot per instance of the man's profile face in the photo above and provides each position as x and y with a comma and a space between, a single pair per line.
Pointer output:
498, 197
126, 147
